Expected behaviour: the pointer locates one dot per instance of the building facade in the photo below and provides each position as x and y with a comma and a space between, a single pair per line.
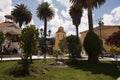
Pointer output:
60, 34
106, 31
11, 32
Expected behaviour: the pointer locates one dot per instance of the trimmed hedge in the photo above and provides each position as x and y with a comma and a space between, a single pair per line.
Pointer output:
92, 46
74, 46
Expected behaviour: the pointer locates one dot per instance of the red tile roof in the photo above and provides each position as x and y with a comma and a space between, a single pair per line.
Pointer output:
6, 24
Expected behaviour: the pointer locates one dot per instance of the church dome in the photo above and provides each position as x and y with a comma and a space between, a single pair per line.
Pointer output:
60, 29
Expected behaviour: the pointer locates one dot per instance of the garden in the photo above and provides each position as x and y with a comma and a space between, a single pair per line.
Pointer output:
76, 70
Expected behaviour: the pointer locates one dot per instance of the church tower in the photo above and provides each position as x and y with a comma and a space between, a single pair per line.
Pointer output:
60, 34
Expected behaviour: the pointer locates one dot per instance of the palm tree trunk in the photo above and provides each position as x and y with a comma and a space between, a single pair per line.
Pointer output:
90, 18
92, 58
44, 45
31, 61
77, 31
25, 64
20, 24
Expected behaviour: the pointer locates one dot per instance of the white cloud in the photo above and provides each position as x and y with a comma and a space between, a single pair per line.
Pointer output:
65, 13
2, 17
49, 1
65, 3
116, 13
113, 18
55, 23
5, 8
108, 19
32, 22
84, 22
54, 30
40, 1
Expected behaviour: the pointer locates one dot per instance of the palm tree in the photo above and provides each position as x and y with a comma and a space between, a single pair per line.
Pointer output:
89, 4
21, 14
76, 14
45, 13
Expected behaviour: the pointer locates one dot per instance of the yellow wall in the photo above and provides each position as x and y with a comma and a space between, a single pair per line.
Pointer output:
59, 36
106, 32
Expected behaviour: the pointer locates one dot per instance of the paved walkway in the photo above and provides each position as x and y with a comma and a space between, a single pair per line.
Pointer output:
109, 59
19, 58
41, 57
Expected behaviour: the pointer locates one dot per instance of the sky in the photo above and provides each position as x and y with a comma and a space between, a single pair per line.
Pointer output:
109, 11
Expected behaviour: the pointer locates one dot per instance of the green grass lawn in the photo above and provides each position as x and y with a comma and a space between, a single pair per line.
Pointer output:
77, 71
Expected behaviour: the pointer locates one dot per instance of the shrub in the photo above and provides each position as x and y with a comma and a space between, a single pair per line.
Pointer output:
18, 71
74, 46
92, 46
114, 39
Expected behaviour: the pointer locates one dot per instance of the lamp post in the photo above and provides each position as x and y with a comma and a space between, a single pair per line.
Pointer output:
101, 23
44, 45
42, 33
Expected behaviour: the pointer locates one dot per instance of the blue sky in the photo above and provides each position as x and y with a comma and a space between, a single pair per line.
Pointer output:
109, 11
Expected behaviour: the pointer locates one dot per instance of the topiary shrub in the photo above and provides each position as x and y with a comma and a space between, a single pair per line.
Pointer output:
92, 46
74, 46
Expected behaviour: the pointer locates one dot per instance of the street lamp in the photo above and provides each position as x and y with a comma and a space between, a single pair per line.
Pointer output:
44, 45
49, 32
42, 33
101, 23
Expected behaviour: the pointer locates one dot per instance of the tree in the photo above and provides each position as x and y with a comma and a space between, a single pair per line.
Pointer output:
21, 14
74, 46
45, 13
114, 39
114, 42
92, 46
29, 39
76, 14
2, 38
89, 5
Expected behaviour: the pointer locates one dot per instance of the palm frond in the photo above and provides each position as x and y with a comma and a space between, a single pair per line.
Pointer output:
21, 14
45, 11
